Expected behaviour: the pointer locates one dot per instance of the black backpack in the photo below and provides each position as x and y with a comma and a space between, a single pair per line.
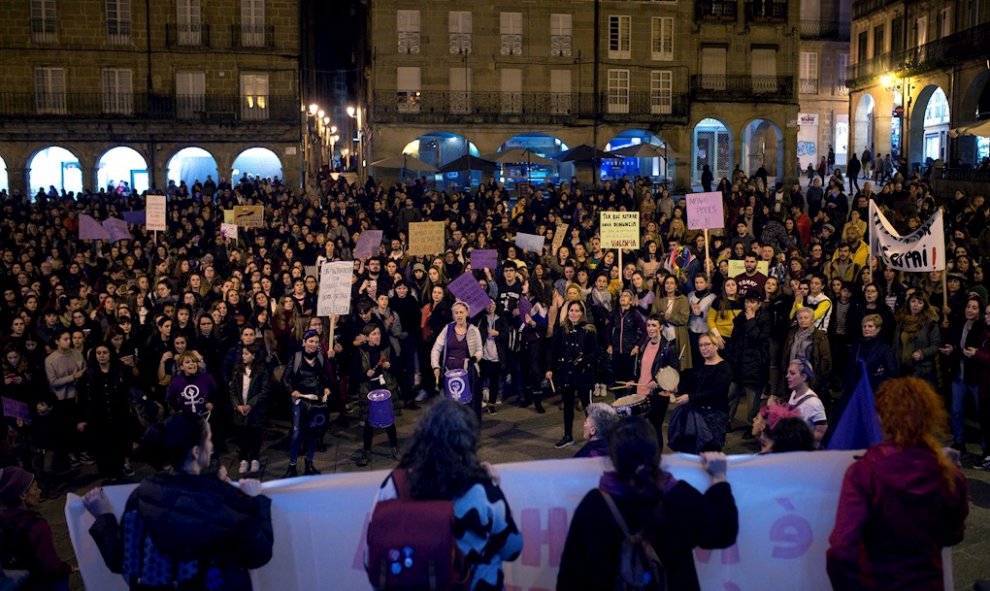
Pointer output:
640, 568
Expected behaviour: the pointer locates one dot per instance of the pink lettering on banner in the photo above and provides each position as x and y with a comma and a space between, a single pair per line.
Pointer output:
534, 536
793, 531
358, 563
730, 555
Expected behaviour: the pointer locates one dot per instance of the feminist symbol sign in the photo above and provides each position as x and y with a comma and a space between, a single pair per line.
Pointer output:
456, 388
192, 397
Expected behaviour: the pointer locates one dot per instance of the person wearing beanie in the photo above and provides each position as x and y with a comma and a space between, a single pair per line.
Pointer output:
27, 543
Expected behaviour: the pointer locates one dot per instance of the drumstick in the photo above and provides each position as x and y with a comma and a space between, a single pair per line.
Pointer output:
681, 356
552, 387
630, 384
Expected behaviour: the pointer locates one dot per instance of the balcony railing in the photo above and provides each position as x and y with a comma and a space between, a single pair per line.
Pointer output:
715, 11
522, 107
875, 66
808, 86
742, 88
766, 11
252, 37
119, 32
44, 30
204, 108
824, 29
861, 8
187, 35
560, 45
961, 174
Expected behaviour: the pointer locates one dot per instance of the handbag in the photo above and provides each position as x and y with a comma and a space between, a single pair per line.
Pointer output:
687, 431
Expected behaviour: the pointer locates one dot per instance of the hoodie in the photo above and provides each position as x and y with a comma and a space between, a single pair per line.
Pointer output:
896, 513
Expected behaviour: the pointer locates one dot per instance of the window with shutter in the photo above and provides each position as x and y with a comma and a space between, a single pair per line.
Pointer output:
560, 92
511, 33
407, 24
190, 95
662, 38
511, 90
764, 70
713, 68
254, 97
118, 95
407, 85
560, 35
618, 91
619, 37
661, 92
252, 23
49, 91
44, 22
188, 22
460, 90
809, 72
119, 22
459, 28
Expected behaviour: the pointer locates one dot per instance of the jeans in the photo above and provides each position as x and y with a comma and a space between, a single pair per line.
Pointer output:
752, 393
960, 390
513, 367
297, 437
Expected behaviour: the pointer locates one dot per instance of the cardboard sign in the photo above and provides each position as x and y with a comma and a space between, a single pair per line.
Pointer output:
118, 229
426, 238
558, 237
737, 268
367, 244
704, 211
15, 409
249, 216
334, 295
530, 242
619, 229
155, 214
228, 230
228, 216
484, 258
467, 289
90, 229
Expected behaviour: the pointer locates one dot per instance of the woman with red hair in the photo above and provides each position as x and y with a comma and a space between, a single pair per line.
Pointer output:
902, 502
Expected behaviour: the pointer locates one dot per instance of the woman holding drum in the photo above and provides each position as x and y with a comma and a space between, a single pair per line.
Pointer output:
307, 379
377, 390
456, 354
709, 395
656, 370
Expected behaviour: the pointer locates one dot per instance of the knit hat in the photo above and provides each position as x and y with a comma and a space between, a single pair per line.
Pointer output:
14, 482
419, 267
980, 292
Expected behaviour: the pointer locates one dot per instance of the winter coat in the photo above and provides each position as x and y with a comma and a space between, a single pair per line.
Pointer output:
193, 518
820, 359
573, 355
626, 330
927, 340
896, 513
879, 359
26, 543
680, 314
259, 387
749, 350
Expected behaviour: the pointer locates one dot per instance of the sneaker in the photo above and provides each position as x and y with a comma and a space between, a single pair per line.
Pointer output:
255, 466
363, 459
242, 468
128, 469
984, 465
565, 441
483, 403
86, 459
74, 461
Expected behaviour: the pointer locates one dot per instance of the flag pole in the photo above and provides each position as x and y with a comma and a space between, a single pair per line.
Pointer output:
869, 258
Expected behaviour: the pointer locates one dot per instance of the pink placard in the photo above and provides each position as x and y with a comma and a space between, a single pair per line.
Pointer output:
705, 211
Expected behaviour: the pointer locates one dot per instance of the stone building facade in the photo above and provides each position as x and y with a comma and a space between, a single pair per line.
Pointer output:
710, 81
86, 77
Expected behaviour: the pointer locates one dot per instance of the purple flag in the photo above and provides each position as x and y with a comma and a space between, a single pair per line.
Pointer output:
90, 229
135, 218
367, 244
467, 289
15, 409
484, 258
118, 229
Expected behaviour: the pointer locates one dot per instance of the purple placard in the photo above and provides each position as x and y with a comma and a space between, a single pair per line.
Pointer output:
484, 258
15, 409
135, 218
118, 229
367, 244
467, 289
705, 211
90, 229
525, 307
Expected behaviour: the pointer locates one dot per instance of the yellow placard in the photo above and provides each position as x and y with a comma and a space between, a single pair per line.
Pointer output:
619, 229
738, 268
228, 216
426, 238
249, 216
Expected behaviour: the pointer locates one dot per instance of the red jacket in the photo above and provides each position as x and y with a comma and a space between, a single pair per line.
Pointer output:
895, 515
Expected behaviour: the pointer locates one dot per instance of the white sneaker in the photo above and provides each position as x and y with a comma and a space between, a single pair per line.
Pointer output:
255, 466
483, 403
984, 465
242, 468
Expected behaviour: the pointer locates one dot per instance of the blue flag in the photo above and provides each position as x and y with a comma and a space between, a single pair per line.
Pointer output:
858, 427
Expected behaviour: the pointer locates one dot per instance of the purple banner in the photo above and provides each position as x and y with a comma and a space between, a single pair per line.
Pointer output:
467, 289
90, 229
135, 218
484, 258
118, 229
367, 244
525, 307
15, 409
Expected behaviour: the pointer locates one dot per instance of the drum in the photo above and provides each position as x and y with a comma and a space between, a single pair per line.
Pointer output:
457, 386
315, 419
632, 405
380, 413
668, 379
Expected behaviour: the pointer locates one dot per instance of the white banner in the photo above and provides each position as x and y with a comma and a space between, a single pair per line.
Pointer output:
786, 504
920, 251
334, 295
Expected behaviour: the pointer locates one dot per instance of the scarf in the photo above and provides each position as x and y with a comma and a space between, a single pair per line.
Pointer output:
602, 298
802, 342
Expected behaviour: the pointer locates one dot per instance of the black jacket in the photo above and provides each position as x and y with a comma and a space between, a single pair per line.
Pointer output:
573, 355
195, 517
749, 350
258, 390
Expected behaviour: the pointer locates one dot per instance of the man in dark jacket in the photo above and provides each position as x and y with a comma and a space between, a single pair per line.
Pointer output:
749, 357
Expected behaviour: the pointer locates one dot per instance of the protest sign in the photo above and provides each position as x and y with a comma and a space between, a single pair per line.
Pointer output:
367, 244
334, 295
15, 409
228, 216
619, 229
249, 216
484, 258
737, 268
228, 230
525, 307
558, 237
155, 214
467, 289
426, 238
118, 229
530, 242
90, 229
920, 251
705, 211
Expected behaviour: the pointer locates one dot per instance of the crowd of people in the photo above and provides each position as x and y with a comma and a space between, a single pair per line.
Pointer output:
102, 340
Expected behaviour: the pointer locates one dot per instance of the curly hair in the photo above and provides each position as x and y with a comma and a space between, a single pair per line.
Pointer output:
912, 415
442, 460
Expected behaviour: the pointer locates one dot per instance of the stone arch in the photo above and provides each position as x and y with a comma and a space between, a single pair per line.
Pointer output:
54, 166
256, 162
763, 145
864, 123
711, 144
190, 164
662, 167
929, 130
122, 164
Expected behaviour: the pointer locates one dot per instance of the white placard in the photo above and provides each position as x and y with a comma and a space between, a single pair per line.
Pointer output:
155, 213
334, 296
228, 230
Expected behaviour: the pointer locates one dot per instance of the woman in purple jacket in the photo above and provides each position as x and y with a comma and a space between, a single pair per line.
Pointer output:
902, 502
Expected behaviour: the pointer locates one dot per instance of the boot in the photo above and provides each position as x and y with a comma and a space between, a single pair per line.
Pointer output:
291, 472
311, 469
364, 458
537, 403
